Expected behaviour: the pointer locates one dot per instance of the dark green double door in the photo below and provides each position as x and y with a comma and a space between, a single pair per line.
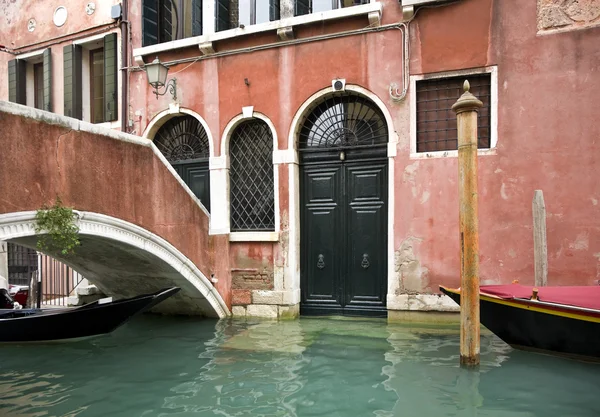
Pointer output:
343, 239
196, 175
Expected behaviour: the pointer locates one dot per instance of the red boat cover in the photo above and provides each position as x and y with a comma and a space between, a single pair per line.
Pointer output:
585, 296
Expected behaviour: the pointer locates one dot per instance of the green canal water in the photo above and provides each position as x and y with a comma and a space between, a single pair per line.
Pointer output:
165, 366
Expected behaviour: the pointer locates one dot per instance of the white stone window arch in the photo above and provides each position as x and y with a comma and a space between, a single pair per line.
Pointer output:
220, 182
163, 117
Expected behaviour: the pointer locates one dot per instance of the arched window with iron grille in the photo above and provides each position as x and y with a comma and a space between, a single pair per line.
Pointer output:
251, 177
184, 142
343, 123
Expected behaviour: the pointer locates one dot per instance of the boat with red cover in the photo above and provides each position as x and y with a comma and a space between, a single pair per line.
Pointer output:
100, 317
557, 320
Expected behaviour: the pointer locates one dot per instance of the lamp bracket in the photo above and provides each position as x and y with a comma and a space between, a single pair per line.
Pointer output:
170, 86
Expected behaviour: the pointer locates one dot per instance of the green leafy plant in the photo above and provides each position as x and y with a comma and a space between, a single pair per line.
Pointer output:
56, 228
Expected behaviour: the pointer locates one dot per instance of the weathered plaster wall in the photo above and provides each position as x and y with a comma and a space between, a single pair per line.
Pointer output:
544, 142
548, 84
16, 14
96, 173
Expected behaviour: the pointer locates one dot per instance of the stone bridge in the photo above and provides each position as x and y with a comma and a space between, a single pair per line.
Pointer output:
141, 227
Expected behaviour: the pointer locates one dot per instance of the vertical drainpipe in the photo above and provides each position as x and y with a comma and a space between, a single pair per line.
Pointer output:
124, 66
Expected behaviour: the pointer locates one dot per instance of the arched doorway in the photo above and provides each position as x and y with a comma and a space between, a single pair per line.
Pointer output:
342, 144
185, 144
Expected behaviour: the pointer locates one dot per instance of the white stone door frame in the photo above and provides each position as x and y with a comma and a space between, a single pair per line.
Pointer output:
291, 158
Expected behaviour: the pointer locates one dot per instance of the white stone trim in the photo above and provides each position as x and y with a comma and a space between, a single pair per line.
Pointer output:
218, 162
22, 224
493, 71
254, 237
90, 39
292, 277
275, 297
340, 13
422, 302
285, 156
175, 110
222, 203
37, 55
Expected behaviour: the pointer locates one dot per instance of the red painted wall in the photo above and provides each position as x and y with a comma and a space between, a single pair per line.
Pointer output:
547, 139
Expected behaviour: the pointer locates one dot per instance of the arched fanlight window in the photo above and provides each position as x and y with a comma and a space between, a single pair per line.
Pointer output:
251, 177
182, 138
343, 121
184, 142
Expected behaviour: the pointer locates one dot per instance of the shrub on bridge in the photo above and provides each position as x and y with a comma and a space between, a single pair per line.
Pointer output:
57, 230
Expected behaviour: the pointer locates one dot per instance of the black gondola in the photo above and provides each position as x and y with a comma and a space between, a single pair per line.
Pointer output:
557, 320
100, 317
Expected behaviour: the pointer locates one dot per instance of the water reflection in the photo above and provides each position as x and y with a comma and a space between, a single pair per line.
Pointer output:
158, 366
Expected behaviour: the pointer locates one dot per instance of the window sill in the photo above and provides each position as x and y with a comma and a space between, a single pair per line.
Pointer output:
449, 154
254, 237
290, 22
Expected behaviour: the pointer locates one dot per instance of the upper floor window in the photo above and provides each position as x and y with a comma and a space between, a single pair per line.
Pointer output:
302, 7
168, 20
436, 128
251, 177
30, 80
90, 80
38, 85
231, 14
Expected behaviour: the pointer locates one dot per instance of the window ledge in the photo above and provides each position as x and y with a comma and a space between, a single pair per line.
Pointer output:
290, 22
449, 154
254, 237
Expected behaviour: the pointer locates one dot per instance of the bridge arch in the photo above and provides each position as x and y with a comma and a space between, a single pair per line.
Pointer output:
125, 259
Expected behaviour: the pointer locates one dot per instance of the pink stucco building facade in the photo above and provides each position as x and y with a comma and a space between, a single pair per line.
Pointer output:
341, 198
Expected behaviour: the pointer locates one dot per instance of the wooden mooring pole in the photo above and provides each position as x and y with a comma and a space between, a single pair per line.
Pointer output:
540, 245
466, 114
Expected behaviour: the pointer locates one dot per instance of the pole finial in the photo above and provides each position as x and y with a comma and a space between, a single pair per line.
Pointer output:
467, 102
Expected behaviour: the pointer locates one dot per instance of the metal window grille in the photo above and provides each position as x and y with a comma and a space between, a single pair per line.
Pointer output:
251, 177
436, 122
182, 138
343, 121
58, 280
22, 262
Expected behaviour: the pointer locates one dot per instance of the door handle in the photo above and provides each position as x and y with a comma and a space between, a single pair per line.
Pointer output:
320, 261
365, 261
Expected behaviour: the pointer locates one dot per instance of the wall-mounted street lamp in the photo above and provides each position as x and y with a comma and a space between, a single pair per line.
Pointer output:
157, 75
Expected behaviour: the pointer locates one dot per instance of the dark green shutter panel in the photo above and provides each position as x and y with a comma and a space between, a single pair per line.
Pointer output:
301, 7
196, 17
222, 15
17, 81
110, 77
72, 80
47, 105
166, 29
150, 22
273, 10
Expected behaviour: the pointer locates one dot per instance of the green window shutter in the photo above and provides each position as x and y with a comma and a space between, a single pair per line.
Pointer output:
17, 81
72, 81
47, 105
273, 10
150, 22
110, 77
222, 15
167, 30
301, 7
196, 17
